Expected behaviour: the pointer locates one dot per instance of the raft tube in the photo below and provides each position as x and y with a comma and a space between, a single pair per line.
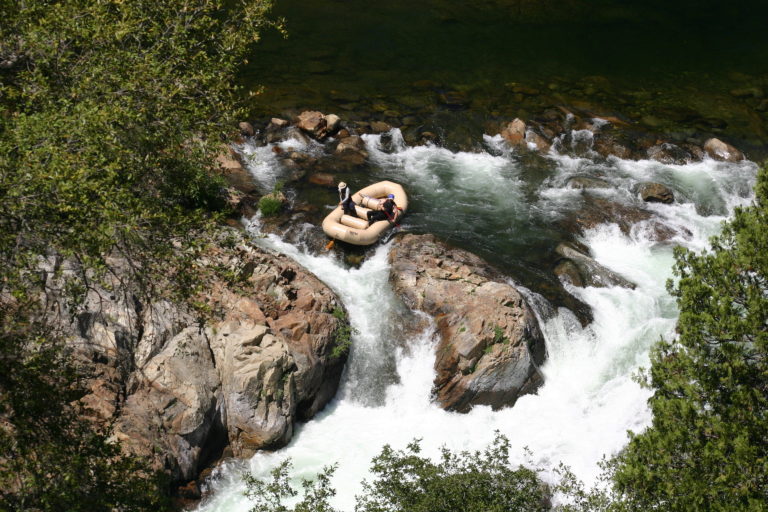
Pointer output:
355, 230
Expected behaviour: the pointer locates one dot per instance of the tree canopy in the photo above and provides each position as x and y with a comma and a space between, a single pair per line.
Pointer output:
406, 481
707, 448
111, 115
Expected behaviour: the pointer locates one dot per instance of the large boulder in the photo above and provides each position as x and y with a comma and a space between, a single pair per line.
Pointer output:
173, 417
490, 344
178, 391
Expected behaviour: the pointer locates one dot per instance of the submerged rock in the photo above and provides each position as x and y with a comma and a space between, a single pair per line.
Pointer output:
490, 344
583, 182
668, 153
596, 210
656, 193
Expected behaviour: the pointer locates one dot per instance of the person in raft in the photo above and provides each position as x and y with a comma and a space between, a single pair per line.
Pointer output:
345, 200
387, 211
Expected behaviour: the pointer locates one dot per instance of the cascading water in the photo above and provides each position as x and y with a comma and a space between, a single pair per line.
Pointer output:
490, 200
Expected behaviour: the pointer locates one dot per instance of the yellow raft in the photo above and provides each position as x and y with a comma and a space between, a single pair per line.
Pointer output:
355, 230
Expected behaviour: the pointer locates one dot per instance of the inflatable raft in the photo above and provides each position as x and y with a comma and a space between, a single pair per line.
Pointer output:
355, 230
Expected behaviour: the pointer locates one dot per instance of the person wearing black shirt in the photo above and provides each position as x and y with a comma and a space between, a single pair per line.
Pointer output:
345, 200
386, 211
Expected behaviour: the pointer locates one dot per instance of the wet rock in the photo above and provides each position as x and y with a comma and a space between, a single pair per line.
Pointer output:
332, 124
656, 193
514, 133
318, 125
656, 230
352, 150
234, 172
277, 130
579, 269
541, 144
568, 272
722, 151
490, 344
246, 129
668, 153
295, 133
596, 210
276, 123
607, 146
429, 137
696, 152
583, 182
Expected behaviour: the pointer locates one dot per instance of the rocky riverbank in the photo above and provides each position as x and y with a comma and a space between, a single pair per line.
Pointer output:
182, 393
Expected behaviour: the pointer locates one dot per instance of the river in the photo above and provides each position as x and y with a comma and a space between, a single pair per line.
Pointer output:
488, 200
683, 72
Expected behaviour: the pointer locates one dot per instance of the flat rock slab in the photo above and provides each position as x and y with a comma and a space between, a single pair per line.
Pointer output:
490, 344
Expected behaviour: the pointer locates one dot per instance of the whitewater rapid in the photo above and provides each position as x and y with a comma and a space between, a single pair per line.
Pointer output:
589, 399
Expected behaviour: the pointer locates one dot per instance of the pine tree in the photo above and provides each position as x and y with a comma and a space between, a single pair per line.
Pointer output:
707, 448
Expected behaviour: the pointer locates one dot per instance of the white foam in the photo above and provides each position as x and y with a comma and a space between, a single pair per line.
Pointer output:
263, 163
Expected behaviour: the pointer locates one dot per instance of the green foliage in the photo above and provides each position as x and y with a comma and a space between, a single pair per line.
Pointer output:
478, 481
51, 456
110, 126
498, 335
269, 495
406, 481
342, 335
111, 115
707, 448
270, 205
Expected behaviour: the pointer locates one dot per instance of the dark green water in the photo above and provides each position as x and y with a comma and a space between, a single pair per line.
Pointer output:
670, 65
